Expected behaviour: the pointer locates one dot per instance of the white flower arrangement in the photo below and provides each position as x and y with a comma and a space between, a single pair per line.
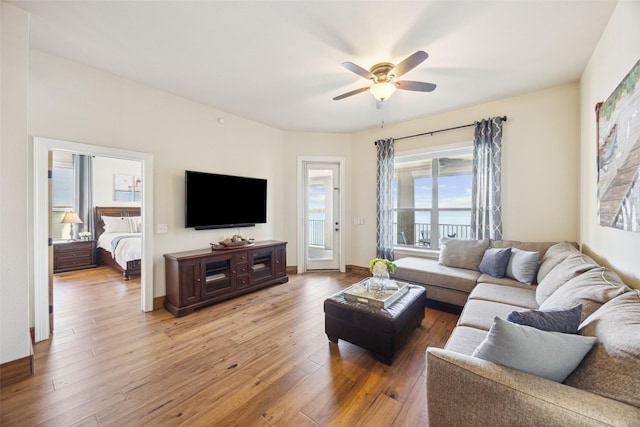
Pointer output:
84, 235
381, 266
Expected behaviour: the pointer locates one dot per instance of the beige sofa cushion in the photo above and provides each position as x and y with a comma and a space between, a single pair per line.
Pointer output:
566, 270
523, 297
554, 256
504, 281
611, 369
591, 289
462, 253
479, 313
464, 339
429, 271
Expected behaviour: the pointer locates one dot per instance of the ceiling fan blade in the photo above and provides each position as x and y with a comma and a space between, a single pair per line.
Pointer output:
410, 63
416, 86
353, 92
358, 70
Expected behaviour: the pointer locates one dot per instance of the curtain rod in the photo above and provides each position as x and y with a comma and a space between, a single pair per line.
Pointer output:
504, 119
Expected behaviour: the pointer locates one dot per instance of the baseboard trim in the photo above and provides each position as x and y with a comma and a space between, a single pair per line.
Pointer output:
292, 269
158, 303
357, 269
16, 370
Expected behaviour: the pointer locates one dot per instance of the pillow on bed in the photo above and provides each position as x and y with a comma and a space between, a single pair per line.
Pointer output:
115, 224
135, 224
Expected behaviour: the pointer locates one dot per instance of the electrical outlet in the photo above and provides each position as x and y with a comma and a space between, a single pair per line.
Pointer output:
161, 228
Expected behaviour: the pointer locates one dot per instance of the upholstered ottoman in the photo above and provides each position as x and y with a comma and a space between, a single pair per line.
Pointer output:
380, 330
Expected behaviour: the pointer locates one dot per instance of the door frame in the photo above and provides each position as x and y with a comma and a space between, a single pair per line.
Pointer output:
301, 184
41, 148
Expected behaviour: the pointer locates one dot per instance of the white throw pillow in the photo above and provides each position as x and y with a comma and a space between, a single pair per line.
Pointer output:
523, 266
135, 224
115, 224
550, 355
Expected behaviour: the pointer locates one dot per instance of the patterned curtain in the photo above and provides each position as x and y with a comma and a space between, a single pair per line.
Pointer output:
384, 199
83, 200
486, 209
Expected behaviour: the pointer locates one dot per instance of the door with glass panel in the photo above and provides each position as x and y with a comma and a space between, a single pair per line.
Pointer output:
322, 216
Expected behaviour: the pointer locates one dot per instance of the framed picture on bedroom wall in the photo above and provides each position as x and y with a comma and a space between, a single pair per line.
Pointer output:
127, 188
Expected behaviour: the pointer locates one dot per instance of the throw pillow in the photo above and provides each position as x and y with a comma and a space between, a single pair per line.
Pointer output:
565, 320
550, 355
494, 261
115, 224
572, 266
611, 368
462, 253
592, 289
135, 224
554, 256
523, 265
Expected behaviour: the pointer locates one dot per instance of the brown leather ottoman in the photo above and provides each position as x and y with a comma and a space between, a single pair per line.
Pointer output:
380, 330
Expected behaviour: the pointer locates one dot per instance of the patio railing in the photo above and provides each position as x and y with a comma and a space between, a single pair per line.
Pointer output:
420, 236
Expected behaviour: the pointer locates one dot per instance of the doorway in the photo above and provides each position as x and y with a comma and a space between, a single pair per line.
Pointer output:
321, 214
42, 267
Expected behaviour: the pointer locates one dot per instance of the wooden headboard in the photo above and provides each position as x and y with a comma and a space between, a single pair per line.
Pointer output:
112, 211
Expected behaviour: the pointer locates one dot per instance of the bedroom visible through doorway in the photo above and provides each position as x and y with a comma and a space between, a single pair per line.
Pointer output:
42, 268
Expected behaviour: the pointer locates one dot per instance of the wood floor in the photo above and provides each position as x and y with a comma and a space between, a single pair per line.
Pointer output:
258, 360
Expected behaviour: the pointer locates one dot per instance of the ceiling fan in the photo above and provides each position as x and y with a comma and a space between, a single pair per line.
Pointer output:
384, 74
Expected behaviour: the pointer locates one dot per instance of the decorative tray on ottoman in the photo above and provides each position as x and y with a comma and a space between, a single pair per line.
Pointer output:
391, 296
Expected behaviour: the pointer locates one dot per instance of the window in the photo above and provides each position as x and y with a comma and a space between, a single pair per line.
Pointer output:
432, 197
61, 198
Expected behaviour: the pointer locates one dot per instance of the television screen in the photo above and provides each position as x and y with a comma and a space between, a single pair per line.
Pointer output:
224, 201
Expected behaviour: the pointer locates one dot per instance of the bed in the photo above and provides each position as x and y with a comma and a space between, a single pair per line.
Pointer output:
119, 239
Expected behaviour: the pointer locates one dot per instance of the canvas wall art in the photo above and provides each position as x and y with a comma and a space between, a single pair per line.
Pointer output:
619, 155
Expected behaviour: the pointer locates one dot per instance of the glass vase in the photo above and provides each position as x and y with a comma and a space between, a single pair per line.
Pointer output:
378, 284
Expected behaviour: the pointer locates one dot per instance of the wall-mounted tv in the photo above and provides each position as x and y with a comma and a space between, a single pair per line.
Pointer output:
224, 201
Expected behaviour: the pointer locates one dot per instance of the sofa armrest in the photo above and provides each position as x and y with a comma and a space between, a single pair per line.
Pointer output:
468, 391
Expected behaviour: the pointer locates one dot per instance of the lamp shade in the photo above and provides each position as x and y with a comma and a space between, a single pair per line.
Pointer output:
71, 218
382, 91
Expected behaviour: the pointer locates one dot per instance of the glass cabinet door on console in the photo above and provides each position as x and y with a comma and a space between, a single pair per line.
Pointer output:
216, 276
262, 265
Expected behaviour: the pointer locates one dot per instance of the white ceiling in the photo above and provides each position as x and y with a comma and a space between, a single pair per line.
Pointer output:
278, 62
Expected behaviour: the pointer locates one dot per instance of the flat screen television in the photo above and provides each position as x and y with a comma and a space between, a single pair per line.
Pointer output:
224, 201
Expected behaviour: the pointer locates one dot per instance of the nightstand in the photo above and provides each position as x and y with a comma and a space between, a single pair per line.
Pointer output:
73, 255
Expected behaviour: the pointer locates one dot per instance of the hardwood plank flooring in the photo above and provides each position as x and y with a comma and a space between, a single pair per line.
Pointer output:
261, 359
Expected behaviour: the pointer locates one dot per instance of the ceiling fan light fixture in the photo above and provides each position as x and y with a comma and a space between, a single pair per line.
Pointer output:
382, 91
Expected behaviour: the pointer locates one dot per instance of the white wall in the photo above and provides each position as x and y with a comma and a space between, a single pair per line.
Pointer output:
616, 53
321, 145
104, 169
539, 168
15, 272
72, 102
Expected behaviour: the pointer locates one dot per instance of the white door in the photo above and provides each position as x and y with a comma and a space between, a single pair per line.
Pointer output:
322, 215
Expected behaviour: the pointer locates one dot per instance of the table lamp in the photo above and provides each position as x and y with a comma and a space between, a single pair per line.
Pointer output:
71, 218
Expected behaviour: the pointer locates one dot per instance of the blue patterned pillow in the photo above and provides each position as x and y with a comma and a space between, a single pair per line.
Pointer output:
565, 320
494, 261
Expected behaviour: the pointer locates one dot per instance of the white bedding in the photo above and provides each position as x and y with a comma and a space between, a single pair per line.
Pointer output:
127, 250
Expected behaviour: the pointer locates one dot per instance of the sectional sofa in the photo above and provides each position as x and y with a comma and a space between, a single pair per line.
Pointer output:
554, 342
